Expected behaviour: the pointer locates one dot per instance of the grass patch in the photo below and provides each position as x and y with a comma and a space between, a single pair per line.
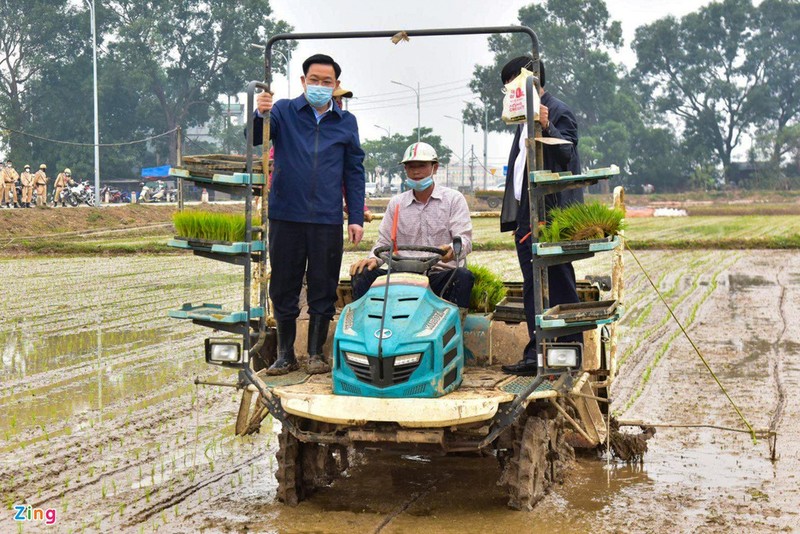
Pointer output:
771, 242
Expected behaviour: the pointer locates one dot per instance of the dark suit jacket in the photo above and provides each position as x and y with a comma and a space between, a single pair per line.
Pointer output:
557, 158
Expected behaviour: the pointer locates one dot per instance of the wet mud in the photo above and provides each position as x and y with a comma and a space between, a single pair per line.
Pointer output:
100, 419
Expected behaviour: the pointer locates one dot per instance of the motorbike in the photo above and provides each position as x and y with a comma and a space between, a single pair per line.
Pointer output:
115, 196
78, 193
160, 193
81, 193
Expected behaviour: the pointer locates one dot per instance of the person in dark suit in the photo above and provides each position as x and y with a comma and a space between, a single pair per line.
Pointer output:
557, 121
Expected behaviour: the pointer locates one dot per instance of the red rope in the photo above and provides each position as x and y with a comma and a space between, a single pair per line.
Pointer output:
394, 226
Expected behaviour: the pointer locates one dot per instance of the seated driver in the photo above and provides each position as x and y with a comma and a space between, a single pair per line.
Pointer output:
428, 215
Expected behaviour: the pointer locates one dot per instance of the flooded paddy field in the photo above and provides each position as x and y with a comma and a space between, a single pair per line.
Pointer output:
100, 419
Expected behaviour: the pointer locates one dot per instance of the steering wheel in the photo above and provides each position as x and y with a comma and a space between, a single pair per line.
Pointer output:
410, 264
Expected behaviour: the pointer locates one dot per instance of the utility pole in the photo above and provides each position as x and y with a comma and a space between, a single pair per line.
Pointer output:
486, 142
179, 162
98, 200
472, 168
416, 92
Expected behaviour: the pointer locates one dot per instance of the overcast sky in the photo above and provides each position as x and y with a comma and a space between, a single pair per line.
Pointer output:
441, 65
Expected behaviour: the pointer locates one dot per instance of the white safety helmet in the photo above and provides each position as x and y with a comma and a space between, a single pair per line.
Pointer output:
67, 172
420, 152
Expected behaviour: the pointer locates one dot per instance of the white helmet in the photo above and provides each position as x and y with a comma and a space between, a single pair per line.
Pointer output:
420, 152
67, 171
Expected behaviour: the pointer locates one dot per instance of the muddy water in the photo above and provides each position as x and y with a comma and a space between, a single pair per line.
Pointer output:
100, 421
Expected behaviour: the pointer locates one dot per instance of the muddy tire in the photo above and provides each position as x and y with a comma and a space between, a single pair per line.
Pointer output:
290, 469
526, 480
538, 457
305, 467
493, 202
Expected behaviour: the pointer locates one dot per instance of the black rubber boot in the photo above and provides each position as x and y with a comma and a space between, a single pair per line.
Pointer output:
317, 334
286, 362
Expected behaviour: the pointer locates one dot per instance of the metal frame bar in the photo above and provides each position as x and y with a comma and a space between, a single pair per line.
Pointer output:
504, 417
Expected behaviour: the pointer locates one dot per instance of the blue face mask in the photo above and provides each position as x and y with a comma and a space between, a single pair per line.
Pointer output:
420, 185
318, 95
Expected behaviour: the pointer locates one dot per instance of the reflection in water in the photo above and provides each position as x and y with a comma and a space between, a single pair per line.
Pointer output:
26, 354
594, 485
117, 371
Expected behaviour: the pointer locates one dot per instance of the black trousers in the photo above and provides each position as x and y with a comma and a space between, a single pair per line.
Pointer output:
304, 249
458, 293
563, 290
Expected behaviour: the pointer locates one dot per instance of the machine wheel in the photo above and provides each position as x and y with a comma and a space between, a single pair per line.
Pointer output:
536, 460
72, 201
493, 202
305, 467
290, 469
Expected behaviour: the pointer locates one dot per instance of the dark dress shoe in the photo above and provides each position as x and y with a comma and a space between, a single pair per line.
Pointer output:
521, 368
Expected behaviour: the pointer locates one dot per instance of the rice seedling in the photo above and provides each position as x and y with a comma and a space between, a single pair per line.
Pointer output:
580, 222
228, 227
487, 290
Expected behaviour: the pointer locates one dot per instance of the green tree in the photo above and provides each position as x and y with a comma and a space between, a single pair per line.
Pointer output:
777, 99
574, 40
701, 69
184, 53
35, 35
383, 155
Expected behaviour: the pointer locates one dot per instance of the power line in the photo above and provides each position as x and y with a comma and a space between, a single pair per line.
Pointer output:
412, 103
411, 98
71, 143
375, 95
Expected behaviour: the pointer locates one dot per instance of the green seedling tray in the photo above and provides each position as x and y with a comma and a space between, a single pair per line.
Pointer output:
580, 314
549, 177
214, 313
576, 247
219, 247
237, 178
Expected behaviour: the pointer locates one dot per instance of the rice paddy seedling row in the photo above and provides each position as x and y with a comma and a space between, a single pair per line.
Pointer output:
148, 437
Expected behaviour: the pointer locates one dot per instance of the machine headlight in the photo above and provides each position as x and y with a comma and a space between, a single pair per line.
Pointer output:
407, 359
223, 351
564, 355
358, 359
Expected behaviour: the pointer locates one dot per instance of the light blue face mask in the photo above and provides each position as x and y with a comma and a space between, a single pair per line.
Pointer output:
420, 185
318, 95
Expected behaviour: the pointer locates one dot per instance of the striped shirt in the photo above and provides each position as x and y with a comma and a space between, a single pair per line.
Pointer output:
434, 224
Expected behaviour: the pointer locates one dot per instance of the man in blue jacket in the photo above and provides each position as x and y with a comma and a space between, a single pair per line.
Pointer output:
557, 121
317, 155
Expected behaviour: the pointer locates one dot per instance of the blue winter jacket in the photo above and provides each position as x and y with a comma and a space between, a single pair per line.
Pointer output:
312, 163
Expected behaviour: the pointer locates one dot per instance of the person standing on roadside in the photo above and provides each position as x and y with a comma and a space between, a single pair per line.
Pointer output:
10, 177
62, 181
26, 179
40, 180
317, 154
558, 121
